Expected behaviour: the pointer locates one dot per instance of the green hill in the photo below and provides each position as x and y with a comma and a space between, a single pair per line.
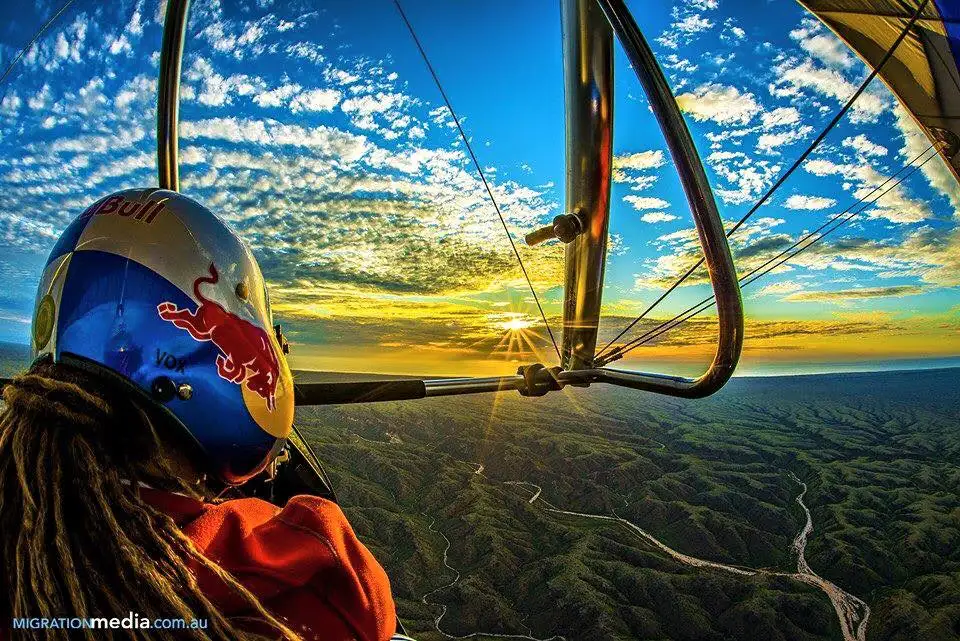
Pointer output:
710, 479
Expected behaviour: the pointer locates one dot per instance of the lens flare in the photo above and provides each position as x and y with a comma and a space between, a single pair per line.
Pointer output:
516, 324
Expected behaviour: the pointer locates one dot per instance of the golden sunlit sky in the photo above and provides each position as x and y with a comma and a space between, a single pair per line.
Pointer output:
320, 137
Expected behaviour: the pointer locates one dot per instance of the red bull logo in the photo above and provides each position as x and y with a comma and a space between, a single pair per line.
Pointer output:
246, 354
118, 205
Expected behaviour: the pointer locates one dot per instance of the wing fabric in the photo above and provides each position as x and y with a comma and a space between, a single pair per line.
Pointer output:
924, 72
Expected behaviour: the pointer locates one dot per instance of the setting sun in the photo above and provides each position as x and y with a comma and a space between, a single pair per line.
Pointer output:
516, 324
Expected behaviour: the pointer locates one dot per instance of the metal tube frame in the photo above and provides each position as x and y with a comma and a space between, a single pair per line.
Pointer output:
168, 93
588, 89
588, 28
713, 239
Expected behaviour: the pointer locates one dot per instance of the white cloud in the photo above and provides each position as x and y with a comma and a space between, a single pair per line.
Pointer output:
217, 90
250, 36
857, 293
748, 177
657, 217
639, 161
239, 40
936, 172
342, 77
135, 26
864, 146
722, 104
732, 33
686, 24
307, 50
792, 77
382, 112
641, 203
372, 104
866, 183
340, 208
127, 166
694, 23
90, 99
39, 100
124, 138
821, 44
341, 146
121, 45
276, 97
809, 203
676, 63
770, 143
829, 49
279, 179
315, 100
779, 288
11, 104
754, 241
61, 48
79, 36
780, 117
141, 90
629, 168
825, 167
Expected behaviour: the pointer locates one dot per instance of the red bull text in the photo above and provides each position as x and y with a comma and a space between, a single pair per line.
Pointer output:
246, 354
143, 211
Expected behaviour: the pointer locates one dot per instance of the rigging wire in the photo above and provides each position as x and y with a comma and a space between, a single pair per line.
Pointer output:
781, 258
773, 188
649, 335
36, 36
476, 163
748, 279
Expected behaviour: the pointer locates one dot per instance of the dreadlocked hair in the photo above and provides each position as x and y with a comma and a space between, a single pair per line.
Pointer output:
75, 538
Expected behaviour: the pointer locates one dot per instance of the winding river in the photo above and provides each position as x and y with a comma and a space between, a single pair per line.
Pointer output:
853, 613
456, 579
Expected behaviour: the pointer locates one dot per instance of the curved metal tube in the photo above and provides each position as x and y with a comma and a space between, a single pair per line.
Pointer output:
456, 386
723, 275
588, 90
168, 93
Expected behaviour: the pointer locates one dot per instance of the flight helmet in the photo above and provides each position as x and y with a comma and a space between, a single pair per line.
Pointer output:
149, 288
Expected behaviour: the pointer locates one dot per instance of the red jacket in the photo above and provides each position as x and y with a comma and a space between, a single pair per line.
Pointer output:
303, 562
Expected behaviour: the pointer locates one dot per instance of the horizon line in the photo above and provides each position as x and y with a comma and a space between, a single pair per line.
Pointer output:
768, 369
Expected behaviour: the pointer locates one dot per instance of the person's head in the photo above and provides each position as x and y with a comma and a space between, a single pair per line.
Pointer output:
155, 363
147, 288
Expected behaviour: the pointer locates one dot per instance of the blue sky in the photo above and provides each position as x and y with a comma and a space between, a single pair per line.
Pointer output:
319, 135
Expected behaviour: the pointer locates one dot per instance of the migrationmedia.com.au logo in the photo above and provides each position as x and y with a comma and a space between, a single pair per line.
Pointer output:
132, 621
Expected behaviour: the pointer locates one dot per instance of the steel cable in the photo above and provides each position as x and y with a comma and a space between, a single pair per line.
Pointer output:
37, 35
753, 275
483, 178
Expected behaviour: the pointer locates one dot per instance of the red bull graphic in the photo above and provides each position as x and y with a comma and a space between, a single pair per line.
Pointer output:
120, 206
246, 355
